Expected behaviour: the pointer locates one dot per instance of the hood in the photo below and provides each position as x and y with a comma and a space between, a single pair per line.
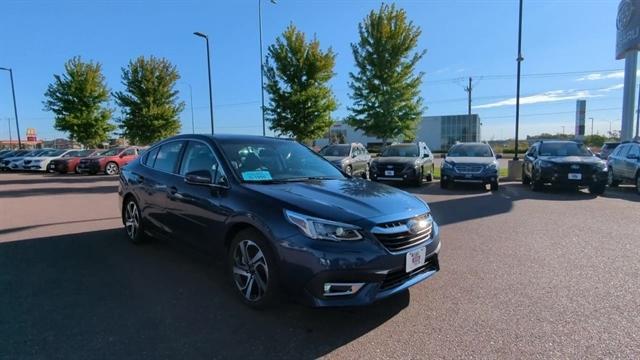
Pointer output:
395, 160
572, 159
346, 200
470, 160
335, 159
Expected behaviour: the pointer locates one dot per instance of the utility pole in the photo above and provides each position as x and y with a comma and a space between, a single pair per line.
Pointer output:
469, 90
206, 38
591, 126
15, 107
563, 130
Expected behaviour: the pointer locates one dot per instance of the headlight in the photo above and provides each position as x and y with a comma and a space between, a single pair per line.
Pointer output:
492, 167
447, 165
602, 166
546, 164
323, 229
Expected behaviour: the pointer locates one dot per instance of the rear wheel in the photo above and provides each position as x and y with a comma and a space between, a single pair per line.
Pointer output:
132, 220
253, 270
111, 168
430, 175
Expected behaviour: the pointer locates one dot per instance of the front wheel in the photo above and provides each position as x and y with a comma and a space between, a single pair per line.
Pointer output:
611, 180
597, 189
111, 168
535, 185
525, 180
252, 269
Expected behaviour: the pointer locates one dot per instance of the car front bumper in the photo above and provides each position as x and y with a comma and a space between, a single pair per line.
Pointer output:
485, 177
90, 168
311, 265
561, 178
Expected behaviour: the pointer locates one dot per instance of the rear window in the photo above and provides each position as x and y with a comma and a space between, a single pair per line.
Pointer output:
336, 150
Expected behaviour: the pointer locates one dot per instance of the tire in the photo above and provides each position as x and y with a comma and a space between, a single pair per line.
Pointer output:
611, 181
525, 179
253, 271
534, 184
494, 186
111, 168
349, 170
430, 175
597, 189
418, 181
365, 174
132, 220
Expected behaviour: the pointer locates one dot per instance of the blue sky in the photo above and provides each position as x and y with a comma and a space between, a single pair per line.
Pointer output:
463, 38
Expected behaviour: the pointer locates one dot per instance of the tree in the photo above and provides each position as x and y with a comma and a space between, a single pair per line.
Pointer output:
78, 99
150, 106
594, 140
298, 73
385, 89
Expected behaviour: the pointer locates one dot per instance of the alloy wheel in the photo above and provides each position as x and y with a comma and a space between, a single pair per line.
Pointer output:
132, 220
250, 270
111, 169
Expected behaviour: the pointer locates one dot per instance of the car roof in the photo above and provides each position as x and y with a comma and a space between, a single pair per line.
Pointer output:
471, 143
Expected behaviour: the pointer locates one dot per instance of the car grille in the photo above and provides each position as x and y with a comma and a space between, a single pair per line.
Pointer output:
585, 169
397, 168
399, 277
469, 169
396, 235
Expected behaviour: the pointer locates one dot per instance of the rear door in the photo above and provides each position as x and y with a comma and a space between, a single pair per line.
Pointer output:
631, 164
127, 155
619, 162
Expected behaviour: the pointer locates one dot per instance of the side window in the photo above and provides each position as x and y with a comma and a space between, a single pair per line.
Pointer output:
364, 150
168, 156
129, 152
198, 157
634, 150
150, 157
623, 150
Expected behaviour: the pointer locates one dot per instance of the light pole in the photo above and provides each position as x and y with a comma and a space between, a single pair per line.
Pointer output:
193, 126
10, 139
519, 60
206, 38
264, 125
15, 107
591, 126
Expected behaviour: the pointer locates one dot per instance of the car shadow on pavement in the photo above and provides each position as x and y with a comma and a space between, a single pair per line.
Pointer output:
58, 191
93, 295
486, 203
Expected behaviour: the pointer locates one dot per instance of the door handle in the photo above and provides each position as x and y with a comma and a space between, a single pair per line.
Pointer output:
173, 190
174, 194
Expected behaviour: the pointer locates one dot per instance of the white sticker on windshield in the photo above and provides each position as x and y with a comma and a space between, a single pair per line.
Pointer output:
258, 175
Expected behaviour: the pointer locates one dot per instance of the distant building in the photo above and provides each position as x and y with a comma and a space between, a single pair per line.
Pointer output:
439, 132
61, 144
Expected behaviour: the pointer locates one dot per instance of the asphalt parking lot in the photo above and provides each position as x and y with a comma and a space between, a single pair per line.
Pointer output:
523, 275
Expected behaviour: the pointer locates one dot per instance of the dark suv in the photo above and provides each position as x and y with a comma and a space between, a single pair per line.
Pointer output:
285, 219
353, 158
563, 163
409, 163
624, 165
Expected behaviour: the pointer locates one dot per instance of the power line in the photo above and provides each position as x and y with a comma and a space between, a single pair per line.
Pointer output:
549, 113
532, 75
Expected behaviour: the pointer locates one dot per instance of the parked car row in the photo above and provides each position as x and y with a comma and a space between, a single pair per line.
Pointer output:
92, 162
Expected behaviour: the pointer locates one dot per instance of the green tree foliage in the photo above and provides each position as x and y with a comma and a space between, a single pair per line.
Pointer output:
78, 99
298, 73
385, 89
594, 140
149, 103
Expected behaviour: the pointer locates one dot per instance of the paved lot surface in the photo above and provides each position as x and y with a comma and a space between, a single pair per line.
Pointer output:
524, 275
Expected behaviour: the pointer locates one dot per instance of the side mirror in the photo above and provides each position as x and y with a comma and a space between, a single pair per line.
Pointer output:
199, 177
498, 156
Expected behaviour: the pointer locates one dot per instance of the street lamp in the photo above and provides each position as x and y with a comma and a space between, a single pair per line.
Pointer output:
206, 38
264, 126
519, 60
15, 107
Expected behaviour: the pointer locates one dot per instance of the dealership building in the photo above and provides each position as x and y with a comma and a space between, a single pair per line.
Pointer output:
439, 132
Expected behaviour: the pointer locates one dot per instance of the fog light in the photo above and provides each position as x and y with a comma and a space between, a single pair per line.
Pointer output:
341, 289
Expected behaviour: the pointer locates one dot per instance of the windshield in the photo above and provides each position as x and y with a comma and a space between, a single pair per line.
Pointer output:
276, 160
401, 151
336, 150
112, 152
83, 153
470, 151
564, 149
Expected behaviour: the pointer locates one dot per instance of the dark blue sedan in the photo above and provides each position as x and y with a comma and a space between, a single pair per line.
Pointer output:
287, 220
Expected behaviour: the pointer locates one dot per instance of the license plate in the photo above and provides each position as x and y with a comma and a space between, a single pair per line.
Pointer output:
573, 176
468, 176
416, 258
389, 173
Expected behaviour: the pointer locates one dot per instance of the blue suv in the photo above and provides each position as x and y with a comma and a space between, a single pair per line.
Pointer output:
624, 165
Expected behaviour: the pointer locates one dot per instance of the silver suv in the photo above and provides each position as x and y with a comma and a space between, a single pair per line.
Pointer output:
353, 159
624, 164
